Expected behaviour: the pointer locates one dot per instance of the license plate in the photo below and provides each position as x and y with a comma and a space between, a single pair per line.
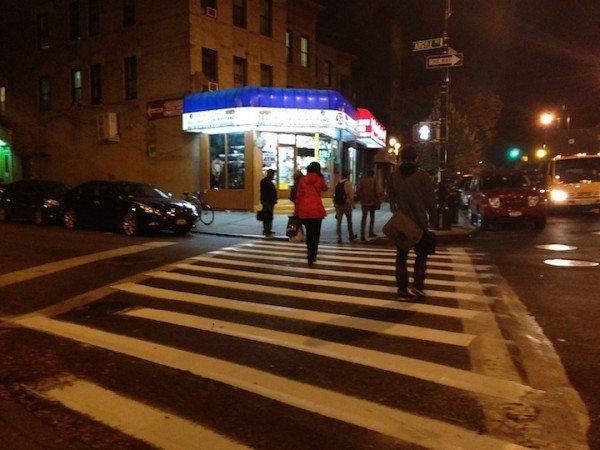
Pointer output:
181, 222
515, 213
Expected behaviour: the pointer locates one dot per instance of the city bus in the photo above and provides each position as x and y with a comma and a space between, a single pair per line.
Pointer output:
574, 181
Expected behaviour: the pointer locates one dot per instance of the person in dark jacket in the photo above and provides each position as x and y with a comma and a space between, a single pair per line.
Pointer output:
268, 199
414, 195
309, 207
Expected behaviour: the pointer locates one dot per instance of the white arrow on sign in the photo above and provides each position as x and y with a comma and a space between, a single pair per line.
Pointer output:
442, 61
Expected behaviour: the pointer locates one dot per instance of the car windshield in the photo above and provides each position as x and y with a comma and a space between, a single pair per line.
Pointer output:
505, 181
141, 191
575, 170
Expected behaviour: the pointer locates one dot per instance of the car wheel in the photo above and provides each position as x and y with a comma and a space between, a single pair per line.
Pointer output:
130, 224
539, 224
70, 219
182, 231
3, 214
39, 217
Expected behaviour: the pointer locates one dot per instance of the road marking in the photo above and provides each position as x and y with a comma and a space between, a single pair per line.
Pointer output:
293, 292
318, 317
154, 426
46, 269
239, 253
426, 432
313, 271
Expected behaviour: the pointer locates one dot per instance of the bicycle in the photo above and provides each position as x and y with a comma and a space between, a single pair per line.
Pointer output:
205, 211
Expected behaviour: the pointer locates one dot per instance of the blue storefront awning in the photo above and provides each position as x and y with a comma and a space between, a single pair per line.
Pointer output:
267, 97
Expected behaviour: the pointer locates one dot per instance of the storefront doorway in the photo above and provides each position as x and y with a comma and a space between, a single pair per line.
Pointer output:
6, 164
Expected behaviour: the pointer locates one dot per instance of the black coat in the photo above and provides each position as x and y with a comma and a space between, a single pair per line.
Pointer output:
268, 193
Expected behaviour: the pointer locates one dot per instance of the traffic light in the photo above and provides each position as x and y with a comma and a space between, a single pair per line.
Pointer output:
425, 132
514, 154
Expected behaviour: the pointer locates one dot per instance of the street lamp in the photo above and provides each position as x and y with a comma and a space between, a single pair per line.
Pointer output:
394, 148
546, 118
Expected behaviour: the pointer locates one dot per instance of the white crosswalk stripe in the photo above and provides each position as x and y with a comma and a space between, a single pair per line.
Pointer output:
269, 284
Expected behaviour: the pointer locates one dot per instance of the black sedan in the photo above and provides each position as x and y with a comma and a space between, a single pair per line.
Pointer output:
33, 200
131, 207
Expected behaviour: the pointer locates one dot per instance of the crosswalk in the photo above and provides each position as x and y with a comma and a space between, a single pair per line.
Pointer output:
322, 348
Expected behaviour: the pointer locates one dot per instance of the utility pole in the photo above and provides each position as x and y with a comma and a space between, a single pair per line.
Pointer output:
443, 221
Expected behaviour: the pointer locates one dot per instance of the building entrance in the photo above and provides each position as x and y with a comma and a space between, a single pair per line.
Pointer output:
6, 161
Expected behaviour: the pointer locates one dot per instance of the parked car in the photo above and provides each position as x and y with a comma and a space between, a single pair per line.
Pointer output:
505, 196
33, 200
131, 207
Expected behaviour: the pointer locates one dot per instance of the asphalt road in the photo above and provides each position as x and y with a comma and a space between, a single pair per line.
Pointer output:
565, 301
244, 344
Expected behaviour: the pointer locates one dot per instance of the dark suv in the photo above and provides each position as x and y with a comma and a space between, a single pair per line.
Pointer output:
505, 196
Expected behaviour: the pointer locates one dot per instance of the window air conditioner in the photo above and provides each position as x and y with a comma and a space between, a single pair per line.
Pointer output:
213, 86
210, 12
107, 126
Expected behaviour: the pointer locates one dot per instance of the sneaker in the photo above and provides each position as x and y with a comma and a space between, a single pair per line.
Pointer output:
418, 293
339, 241
372, 235
405, 297
362, 238
354, 236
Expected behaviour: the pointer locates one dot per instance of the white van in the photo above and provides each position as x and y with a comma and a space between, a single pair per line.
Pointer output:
574, 181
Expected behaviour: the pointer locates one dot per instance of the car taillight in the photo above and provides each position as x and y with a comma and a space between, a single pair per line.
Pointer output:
533, 200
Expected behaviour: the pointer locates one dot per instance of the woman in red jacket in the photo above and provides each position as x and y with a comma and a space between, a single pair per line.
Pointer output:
309, 207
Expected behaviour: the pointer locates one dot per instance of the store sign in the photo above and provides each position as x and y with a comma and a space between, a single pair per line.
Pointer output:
369, 130
161, 109
266, 118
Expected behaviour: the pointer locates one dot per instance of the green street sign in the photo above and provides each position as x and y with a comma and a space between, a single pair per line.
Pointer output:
427, 44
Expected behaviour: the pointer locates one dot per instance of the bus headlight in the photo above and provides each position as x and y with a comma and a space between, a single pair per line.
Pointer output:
556, 195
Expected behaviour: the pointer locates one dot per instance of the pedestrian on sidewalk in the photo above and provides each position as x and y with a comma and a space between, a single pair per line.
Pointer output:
297, 175
343, 200
268, 199
370, 202
309, 207
414, 195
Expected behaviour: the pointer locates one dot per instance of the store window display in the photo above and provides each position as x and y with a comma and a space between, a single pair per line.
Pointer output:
227, 166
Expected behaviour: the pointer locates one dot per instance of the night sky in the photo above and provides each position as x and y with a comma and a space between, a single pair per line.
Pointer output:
536, 54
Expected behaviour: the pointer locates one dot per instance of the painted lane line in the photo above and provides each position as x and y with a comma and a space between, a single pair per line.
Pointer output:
462, 253
239, 253
426, 432
447, 295
424, 370
338, 257
316, 317
327, 283
46, 269
154, 426
313, 271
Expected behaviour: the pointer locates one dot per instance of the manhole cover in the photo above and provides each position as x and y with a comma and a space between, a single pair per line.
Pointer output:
556, 247
570, 263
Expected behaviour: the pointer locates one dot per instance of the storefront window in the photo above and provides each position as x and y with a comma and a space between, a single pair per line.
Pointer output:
227, 161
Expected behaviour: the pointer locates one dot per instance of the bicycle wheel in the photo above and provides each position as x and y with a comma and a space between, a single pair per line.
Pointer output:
207, 215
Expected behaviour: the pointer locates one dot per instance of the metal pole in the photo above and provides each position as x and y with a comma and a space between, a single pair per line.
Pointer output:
443, 222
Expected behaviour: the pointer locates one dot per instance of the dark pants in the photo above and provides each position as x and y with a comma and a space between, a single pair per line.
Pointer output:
419, 268
313, 235
268, 222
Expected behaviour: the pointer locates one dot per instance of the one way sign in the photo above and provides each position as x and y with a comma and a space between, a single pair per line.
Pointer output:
444, 61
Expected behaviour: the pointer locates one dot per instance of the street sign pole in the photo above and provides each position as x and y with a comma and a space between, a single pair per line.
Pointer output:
443, 219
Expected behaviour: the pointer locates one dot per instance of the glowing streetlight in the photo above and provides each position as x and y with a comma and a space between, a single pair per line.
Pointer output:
541, 153
546, 118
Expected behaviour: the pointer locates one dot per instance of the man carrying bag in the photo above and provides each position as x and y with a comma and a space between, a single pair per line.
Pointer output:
414, 197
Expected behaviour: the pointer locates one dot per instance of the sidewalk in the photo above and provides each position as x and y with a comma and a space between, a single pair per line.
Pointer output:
244, 224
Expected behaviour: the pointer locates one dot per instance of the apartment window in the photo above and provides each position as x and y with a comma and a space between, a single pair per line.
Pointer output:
130, 78
227, 158
96, 83
128, 13
304, 52
239, 13
76, 87
209, 64
266, 28
266, 75
288, 46
44, 86
240, 72
43, 31
208, 4
94, 17
326, 72
74, 26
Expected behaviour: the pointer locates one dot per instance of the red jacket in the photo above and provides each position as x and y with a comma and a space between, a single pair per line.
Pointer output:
308, 197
